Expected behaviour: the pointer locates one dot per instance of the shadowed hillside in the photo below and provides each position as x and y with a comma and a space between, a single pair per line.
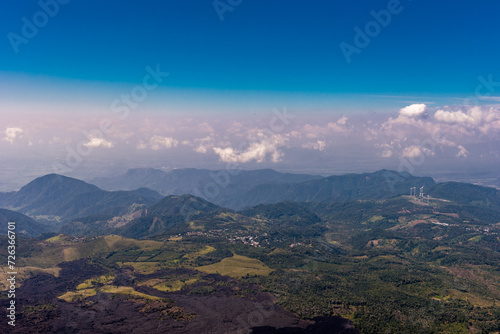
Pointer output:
58, 198
24, 224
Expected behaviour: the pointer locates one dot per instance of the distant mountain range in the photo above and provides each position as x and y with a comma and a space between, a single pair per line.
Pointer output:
24, 225
249, 188
466, 193
337, 188
193, 181
225, 188
79, 208
356, 244
58, 199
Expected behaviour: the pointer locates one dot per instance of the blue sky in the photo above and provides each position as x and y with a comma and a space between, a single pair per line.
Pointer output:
231, 63
279, 46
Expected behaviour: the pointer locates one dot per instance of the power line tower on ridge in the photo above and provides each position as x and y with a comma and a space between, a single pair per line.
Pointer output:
421, 195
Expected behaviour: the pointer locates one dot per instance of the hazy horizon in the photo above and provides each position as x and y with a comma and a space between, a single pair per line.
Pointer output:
88, 90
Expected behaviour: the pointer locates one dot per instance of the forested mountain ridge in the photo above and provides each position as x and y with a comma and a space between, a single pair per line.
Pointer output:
243, 189
387, 261
24, 225
56, 199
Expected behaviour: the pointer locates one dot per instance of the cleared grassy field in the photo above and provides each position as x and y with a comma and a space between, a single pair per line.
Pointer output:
194, 255
104, 279
170, 286
145, 268
62, 248
116, 242
237, 266
102, 283
124, 290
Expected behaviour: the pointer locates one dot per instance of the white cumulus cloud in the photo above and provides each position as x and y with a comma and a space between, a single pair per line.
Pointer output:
141, 145
318, 145
157, 142
12, 133
413, 110
257, 150
453, 117
387, 153
416, 151
97, 142
203, 144
447, 127
341, 126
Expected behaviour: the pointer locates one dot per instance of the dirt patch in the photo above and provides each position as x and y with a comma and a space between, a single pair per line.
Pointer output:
453, 215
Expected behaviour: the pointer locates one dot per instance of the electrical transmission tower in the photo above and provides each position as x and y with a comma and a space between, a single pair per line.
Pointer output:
421, 195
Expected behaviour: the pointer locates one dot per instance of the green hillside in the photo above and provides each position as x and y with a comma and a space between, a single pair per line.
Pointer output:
389, 264
24, 224
172, 212
57, 199
466, 193
337, 188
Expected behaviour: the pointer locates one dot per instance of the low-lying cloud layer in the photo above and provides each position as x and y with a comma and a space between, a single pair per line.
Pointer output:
415, 132
263, 147
12, 133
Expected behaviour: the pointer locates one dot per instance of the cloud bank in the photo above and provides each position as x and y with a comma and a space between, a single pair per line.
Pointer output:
258, 150
12, 133
417, 132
